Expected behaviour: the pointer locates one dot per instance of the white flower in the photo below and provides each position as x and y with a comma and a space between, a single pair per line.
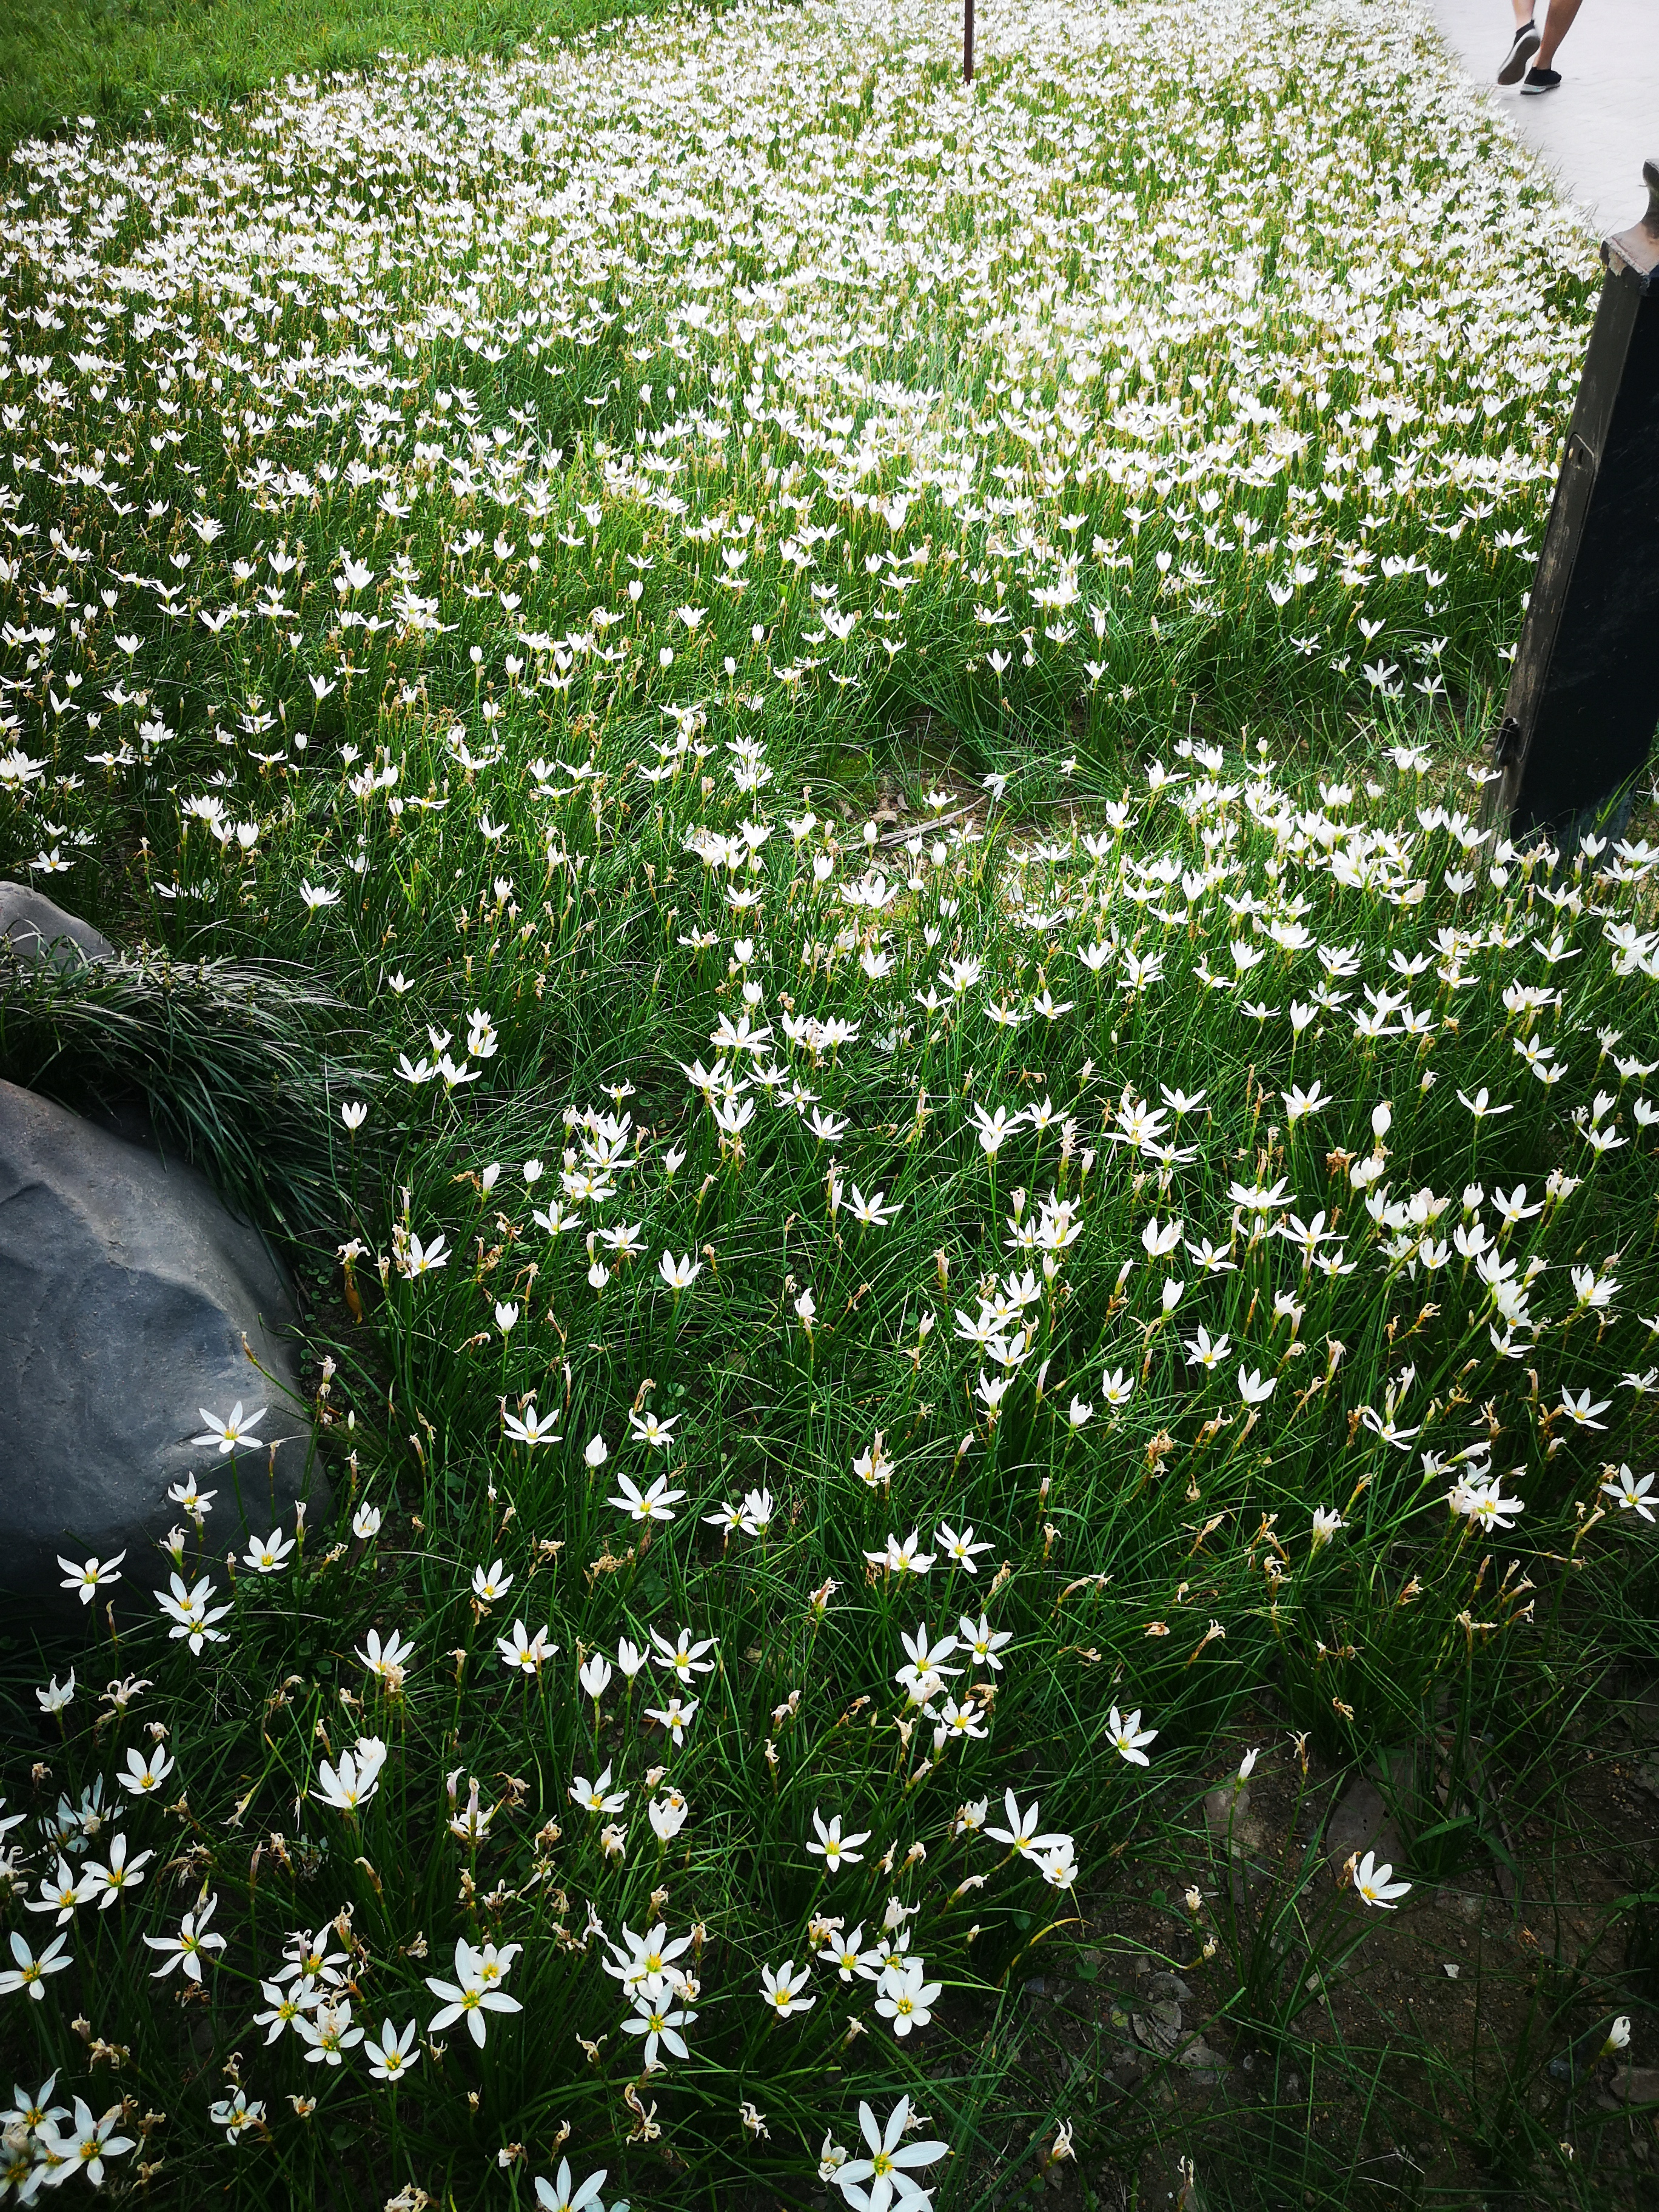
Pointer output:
1057, 1867
236, 2114
198, 1503
1482, 1500
191, 1615
782, 1988
1127, 1736
187, 1948
1251, 1387
1021, 1834
1373, 1883
651, 1431
684, 1656
145, 1774
1206, 1352
1631, 1495
90, 1575
57, 1694
531, 1428
85, 2146
117, 1875
328, 2033
268, 1555
907, 1997
286, 2007
30, 1972
235, 1429
61, 1893
1581, 1407
960, 1550
564, 2194
678, 1274
658, 2020
651, 1505
757, 1511
597, 1796
423, 1259
667, 1815
1480, 1105
392, 2054
525, 1654
490, 1583
923, 1674
475, 1991
881, 2180
388, 1660
353, 1779
904, 1558
676, 1717
832, 1847
873, 1213
982, 1642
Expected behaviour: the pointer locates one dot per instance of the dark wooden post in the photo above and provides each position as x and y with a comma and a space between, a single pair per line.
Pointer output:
1583, 697
967, 41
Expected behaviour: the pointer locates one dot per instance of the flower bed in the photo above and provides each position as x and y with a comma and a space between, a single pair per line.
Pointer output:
859, 1343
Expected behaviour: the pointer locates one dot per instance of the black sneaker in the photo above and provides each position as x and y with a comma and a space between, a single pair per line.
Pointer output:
1541, 80
1526, 43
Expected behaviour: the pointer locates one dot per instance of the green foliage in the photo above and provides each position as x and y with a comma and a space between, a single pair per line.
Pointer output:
776, 657
1287, 1929
145, 65
234, 1065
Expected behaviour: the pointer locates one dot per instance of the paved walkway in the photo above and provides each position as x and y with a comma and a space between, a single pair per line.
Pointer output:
1594, 132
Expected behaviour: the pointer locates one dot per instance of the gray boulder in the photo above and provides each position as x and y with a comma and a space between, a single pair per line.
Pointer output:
126, 1290
35, 929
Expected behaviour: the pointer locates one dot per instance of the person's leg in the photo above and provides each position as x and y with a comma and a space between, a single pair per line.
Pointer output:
1525, 45
1557, 24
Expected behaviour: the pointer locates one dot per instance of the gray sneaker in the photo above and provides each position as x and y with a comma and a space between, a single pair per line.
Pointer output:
1526, 43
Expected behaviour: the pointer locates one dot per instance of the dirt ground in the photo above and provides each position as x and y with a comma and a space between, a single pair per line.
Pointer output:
1456, 2058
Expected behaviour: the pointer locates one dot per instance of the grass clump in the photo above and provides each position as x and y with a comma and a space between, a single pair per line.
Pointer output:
229, 1063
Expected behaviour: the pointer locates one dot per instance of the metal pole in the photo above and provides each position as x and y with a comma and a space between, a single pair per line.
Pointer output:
967, 41
1583, 696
